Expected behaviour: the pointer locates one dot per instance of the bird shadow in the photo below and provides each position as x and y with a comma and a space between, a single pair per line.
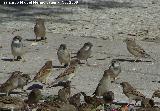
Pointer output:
59, 66
131, 60
33, 40
10, 60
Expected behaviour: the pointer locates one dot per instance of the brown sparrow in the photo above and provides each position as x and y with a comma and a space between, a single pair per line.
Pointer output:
39, 29
63, 55
68, 73
136, 50
75, 100
108, 97
44, 72
114, 69
17, 48
147, 103
104, 84
11, 83
131, 92
85, 52
156, 94
34, 96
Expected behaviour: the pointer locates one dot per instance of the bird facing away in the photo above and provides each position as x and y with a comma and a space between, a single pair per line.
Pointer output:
156, 94
104, 84
85, 52
136, 49
17, 48
114, 69
44, 73
63, 55
39, 29
131, 92
34, 96
11, 83
68, 73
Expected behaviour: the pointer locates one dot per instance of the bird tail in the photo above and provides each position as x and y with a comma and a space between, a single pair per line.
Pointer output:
148, 56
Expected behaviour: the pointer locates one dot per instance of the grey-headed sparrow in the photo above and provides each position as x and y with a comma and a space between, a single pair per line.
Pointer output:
44, 72
63, 55
85, 52
11, 83
104, 84
17, 48
68, 73
156, 94
114, 69
39, 29
136, 49
131, 92
34, 96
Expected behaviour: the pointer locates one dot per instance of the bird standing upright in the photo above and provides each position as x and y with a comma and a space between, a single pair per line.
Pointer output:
39, 29
63, 55
17, 48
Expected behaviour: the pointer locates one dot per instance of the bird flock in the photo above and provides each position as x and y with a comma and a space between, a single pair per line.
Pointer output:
102, 98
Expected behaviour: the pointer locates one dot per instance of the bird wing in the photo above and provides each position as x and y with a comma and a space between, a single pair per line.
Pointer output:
139, 49
136, 93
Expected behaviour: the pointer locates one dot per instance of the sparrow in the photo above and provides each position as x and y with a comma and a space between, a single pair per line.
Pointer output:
92, 100
34, 97
136, 49
147, 103
131, 92
23, 80
104, 84
75, 100
11, 84
108, 97
156, 94
39, 29
114, 69
63, 55
17, 48
11, 103
68, 73
44, 72
85, 52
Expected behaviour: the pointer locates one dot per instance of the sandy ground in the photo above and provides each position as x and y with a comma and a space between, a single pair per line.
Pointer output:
106, 24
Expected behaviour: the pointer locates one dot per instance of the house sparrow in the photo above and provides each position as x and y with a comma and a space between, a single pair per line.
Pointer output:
75, 100
23, 80
17, 48
44, 72
68, 73
131, 92
156, 94
136, 50
85, 52
104, 84
11, 83
114, 69
34, 96
63, 55
39, 29
147, 103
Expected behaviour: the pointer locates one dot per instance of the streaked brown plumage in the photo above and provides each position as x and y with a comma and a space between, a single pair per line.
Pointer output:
136, 50
131, 92
34, 97
85, 52
44, 72
63, 55
39, 29
147, 103
156, 94
75, 100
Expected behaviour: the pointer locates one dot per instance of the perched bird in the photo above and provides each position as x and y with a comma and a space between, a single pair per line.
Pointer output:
85, 52
17, 48
108, 97
63, 55
147, 103
44, 72
12, 83
136, 50
75, 100
23, 80
104, 84
34, 97
156, 94
68, 73
131, 92
39, 29
114, 69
